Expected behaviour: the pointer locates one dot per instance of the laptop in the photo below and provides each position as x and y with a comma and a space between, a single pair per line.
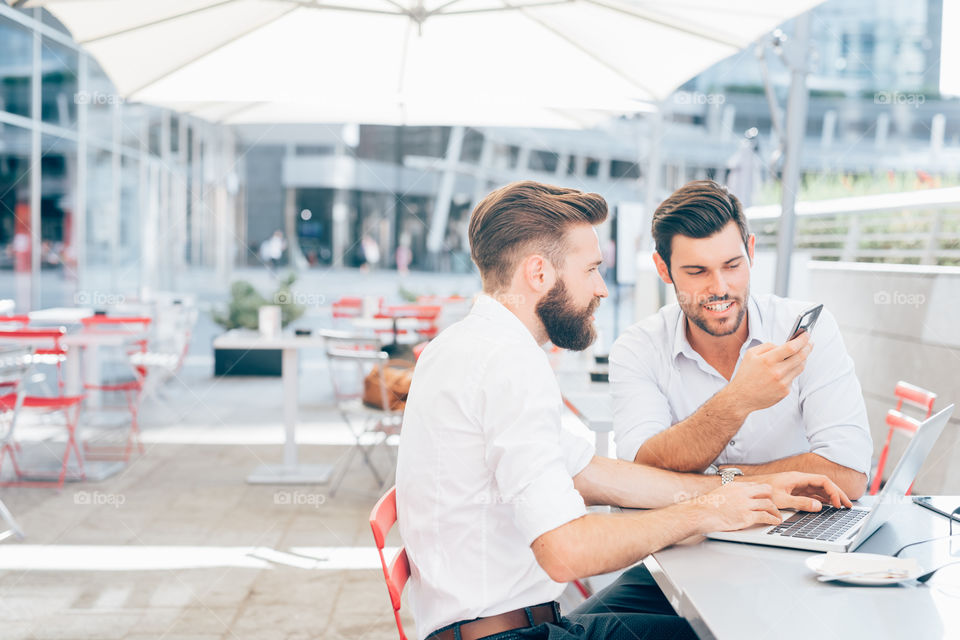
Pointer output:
834, 529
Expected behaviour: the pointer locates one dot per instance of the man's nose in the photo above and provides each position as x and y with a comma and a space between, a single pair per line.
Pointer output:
718, 285
601, 290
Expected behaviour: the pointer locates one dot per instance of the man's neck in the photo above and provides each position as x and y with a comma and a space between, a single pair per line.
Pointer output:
720, 352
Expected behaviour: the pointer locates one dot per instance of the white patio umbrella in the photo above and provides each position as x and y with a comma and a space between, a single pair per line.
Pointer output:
530, 62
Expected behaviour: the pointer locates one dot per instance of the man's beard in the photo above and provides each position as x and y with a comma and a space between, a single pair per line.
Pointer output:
695, 313
567, 327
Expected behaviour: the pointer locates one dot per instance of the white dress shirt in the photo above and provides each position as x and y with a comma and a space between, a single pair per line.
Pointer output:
658, 380
484, 469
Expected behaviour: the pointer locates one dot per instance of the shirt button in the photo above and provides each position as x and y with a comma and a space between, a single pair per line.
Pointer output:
733, 442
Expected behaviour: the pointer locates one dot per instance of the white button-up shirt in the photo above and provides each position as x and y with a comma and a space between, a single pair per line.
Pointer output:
484, 469
658, 380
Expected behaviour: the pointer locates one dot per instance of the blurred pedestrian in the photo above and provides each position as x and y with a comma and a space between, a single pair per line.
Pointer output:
271, 250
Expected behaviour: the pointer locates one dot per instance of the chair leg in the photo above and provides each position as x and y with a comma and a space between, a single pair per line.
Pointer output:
8, 518
878, 476
342, 472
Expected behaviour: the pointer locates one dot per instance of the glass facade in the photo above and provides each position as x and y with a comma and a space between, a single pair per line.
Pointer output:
99, 199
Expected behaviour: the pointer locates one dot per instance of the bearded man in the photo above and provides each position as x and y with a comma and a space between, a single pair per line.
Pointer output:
492, 492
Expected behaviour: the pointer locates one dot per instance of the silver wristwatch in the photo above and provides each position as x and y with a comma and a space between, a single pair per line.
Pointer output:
727, 475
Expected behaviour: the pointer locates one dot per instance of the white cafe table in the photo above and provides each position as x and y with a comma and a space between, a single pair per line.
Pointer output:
732, 591
290, 471
60, 315
589, 401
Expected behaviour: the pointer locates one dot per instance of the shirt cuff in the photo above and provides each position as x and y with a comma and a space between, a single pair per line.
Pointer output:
548, 502
628, 445
851, 448
577, 452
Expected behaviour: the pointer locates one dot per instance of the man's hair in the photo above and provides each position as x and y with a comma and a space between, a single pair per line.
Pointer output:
527, 217
698, 209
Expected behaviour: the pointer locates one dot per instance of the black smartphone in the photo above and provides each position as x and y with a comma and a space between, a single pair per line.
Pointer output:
943, 506
805, 321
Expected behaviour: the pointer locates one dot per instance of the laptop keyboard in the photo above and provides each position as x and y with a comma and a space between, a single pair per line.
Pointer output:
827, 524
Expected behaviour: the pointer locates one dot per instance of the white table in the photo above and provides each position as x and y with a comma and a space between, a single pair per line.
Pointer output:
591, 402
731, 591
394, 326
289, 471
86, 345
60, 315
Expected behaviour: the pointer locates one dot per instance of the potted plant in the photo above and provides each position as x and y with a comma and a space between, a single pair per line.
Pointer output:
243, 312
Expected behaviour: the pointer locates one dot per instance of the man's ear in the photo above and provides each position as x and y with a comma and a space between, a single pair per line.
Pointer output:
538, 273
662, 269
751, 243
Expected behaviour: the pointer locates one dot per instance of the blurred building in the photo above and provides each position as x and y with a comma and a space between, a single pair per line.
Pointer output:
98, 195
99, 198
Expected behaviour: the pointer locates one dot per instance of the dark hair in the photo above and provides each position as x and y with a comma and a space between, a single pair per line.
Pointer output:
698, 209
526, 216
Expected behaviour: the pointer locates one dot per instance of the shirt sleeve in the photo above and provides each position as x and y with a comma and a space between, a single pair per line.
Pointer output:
831, 401
577, 452
640, 408
520, 418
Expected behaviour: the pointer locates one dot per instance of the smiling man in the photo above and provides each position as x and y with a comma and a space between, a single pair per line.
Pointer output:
492, 491
711, 382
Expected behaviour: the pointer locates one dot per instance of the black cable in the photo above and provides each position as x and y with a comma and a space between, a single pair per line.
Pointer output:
951, 535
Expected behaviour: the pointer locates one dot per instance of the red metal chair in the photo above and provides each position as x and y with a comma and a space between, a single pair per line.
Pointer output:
348, 307
396, 574
915, 397
351, 307
428, 315
418, 349
382, 518
14, 399
130, 387
53, 353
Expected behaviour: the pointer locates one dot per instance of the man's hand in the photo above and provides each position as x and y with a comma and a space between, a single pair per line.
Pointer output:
733, 506
803, 491
766, 372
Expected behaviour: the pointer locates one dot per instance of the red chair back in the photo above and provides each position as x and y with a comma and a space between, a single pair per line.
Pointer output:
111, 322
33, 336
396, 574
913, 396
418, 349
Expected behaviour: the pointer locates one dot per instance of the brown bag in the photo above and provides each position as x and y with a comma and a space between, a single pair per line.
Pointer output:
397, 375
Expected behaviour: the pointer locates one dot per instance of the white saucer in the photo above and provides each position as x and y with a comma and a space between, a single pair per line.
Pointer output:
814, 563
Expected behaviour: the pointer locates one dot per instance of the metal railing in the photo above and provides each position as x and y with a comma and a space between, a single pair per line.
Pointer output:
920, 233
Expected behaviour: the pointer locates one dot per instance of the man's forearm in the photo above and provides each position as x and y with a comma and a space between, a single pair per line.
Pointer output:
625, 484
601, 543
853, 482
693, 444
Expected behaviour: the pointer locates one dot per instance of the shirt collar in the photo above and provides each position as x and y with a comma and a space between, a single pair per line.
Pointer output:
493, 310
756, 332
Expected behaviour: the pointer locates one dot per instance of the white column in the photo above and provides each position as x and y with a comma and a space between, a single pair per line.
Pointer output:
28, 289
795, 130
78, 241
441, 206
829, 129
483, 168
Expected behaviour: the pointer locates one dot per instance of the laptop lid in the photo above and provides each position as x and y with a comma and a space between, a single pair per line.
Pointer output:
904, 474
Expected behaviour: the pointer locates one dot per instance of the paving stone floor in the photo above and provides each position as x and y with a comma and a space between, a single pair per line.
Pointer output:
179, 546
